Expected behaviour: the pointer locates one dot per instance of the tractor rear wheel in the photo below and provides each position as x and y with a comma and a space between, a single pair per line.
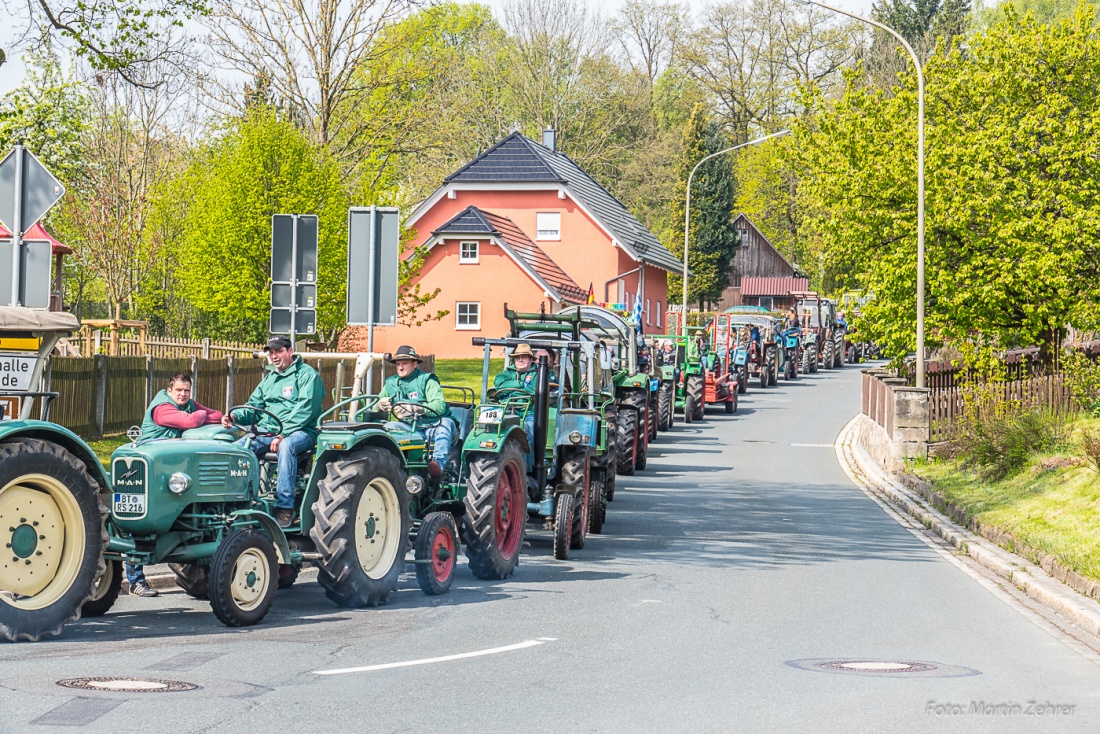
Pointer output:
243, 576
576, 472
664, 406
288, 574
695, 390
597, 508
563, 526
436, 553
838, 355
626, 440
361, 527
496, 512
853, 358
827, 361
105, 593
192, 578
52, 522
743, 380
731, 406
813, 359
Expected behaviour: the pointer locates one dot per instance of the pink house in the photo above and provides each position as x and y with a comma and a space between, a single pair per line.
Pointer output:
523, 225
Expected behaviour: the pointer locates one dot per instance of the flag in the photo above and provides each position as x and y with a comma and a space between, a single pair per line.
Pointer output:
637, 312
591, 294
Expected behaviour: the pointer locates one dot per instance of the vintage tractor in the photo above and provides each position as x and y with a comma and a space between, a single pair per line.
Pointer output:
689, 348
756, 336
823, 339
722, 376
789, 352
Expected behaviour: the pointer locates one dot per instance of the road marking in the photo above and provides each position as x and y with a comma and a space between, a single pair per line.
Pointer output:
646, 601
78, 712
443, 659
813, 445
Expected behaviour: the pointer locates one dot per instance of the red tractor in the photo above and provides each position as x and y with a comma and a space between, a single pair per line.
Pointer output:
723, 377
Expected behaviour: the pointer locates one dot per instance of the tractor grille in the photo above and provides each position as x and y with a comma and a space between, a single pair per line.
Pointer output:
213, 473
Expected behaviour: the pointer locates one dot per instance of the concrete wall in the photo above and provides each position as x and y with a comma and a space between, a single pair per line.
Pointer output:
894, 421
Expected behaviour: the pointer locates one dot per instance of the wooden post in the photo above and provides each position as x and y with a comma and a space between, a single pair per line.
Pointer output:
194, 375
114, 338
143, 332
206, 347
100, 396
229, 382
150, 388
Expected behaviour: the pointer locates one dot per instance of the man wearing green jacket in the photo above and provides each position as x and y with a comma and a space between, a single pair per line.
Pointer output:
414, 399
292, 391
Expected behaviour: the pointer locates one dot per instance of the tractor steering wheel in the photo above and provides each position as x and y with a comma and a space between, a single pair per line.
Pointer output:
434, 416
252, 429
505, 393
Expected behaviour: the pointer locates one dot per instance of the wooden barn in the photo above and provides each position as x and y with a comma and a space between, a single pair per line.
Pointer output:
758, 270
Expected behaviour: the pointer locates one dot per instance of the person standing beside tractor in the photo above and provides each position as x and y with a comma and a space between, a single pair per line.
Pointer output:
292, 391
411, 394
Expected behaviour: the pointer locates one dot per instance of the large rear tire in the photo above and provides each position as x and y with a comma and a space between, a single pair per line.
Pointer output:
192, 578
695, 390
626, 440
576, 472
105, 593
597, 508
813, 359
244, 574
563, 526
827, 357
496, 512
664, 406
361, 527
436, 553
53, 521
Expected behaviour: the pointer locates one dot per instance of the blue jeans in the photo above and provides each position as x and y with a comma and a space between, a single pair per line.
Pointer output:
289, 449
135, 573
438, 435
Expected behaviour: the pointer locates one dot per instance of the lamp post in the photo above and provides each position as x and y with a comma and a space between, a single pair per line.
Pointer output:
920, 174
687, 211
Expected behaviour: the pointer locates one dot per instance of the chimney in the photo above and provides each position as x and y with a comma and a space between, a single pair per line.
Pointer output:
549, 139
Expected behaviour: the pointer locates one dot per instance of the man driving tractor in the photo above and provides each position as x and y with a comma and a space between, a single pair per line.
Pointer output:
414, 399
292, 391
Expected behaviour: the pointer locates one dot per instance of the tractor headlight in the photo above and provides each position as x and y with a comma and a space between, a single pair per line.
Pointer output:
179, 483
414, 484
575, 436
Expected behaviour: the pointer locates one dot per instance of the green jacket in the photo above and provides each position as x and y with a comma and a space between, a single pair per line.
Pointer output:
513, 379
149, 429
419, 387
294, 395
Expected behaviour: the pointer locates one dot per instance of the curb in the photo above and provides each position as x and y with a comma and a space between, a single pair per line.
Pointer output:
1024, 575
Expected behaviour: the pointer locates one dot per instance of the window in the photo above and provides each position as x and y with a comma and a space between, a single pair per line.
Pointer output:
659, 321
467, 252
548, 226
468, 316
744, 235
766, 302
648, 321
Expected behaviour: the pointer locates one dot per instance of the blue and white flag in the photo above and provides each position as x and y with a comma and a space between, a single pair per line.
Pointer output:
637, 312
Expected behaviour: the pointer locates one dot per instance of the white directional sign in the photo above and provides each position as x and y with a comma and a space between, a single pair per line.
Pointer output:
16, 369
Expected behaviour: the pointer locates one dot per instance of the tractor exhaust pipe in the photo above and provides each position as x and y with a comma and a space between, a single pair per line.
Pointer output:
542, 419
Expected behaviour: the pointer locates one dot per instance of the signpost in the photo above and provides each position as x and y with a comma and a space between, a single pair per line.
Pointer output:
374, 240
293, 274
27, 191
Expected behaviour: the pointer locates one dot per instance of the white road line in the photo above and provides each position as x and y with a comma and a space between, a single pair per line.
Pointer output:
814, 445
443, 659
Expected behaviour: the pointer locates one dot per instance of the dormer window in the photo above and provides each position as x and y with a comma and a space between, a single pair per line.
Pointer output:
548, 226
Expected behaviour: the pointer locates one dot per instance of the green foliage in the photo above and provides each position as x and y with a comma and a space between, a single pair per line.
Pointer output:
1001, 445
1083, 378
261, 166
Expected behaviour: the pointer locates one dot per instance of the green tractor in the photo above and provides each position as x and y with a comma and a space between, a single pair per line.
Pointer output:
689, 376
636, 391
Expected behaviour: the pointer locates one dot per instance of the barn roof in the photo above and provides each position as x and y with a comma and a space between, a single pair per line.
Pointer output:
772, 286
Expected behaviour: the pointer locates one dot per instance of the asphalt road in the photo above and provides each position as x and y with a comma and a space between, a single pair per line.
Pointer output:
733, 567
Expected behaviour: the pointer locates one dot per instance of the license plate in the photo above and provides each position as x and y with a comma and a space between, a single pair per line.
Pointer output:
491, 415
129, 504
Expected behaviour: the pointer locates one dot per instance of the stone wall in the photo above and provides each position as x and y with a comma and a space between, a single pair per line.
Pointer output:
894, 420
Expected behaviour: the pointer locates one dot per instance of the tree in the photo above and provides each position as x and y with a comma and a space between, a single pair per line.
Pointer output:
649, 33
713, 239
262, 165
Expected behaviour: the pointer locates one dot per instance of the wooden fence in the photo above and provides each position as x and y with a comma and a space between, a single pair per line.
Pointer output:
947, 404
103, 395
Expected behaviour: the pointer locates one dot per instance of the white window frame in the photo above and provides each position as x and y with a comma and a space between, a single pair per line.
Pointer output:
770, 305
660, 320
462, 259
459, 326
543, 230
648, 321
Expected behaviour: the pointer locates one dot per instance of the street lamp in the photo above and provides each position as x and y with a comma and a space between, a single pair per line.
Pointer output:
920, 175
687, 211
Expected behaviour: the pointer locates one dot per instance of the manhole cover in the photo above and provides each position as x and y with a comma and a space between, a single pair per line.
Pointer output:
892, 668
128, 685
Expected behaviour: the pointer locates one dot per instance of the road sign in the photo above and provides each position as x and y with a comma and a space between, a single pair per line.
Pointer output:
374, 238
27, 191
293, 274
16, 369
40, 190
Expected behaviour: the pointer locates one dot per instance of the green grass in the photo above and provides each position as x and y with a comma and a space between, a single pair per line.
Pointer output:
106, 446
466, 373
1052, 505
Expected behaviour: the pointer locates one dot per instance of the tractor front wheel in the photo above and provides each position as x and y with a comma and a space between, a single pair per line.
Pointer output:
361, 527
288, 574
563, 526
52, 525
773, 368
243, 576
496, 512
105, 593
664, 406
597, 508
192, 578
827, 361
626, 440
695, 390
576, 473
436, 553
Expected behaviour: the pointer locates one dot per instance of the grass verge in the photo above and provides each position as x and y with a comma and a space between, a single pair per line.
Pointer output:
466, 373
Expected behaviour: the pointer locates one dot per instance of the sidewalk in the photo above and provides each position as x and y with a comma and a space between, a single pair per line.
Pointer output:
1021, 573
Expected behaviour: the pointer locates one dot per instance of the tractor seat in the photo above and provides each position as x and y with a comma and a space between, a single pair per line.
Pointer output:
305, 460
462, 414
349, 425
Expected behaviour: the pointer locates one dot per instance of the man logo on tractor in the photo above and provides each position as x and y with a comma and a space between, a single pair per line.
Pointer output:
408, 397
293, 392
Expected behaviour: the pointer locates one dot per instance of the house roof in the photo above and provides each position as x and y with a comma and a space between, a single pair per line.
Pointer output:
37, 234
772, 286
475, 222
518, 159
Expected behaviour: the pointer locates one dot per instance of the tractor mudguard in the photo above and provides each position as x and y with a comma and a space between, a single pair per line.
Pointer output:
271, 529
332, 445
583, 422
489, 438
638, 380
74, 444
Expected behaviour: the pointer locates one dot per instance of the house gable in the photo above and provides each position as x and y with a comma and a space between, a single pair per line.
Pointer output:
757, 257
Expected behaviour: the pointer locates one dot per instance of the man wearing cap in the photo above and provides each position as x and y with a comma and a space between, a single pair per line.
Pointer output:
520, 377
292, 391
418, 392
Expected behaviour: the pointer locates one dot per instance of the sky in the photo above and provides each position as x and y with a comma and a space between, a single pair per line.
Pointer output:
12, 73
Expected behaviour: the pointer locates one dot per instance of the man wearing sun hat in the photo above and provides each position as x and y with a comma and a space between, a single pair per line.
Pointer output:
414, 399
292, 391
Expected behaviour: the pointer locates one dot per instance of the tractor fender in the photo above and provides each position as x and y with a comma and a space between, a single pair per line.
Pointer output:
333, 446
498, 437
585, 423
270, 527
52, 432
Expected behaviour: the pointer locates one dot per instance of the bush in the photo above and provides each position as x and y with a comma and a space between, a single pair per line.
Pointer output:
1002, 444
1090, 444
1083, 380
